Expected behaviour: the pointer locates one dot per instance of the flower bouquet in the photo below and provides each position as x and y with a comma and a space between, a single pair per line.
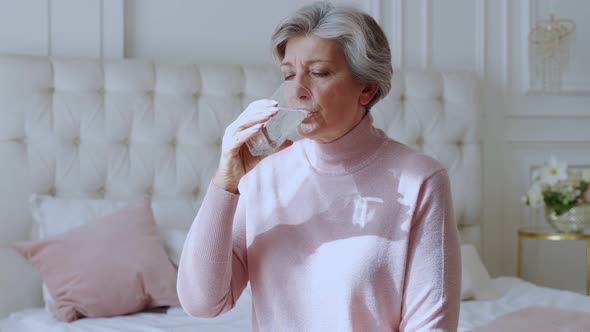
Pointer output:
563, 193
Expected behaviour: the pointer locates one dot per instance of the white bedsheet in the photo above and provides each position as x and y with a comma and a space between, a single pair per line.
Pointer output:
173, 320
515, 294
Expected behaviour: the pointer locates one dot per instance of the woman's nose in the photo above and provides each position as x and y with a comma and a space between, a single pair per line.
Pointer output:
297, 94
302, 92
303, 89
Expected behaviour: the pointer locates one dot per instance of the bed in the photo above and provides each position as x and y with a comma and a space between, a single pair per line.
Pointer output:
515, 295
116, 129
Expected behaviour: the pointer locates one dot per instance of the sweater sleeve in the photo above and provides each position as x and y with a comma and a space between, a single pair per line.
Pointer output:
432, 288
213, 270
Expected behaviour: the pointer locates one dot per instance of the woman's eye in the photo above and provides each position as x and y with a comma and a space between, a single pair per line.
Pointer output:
288, 77
320, 74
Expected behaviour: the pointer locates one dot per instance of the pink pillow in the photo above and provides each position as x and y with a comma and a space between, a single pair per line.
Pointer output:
112, 266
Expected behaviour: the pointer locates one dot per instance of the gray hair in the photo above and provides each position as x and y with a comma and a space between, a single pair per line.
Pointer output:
362, 40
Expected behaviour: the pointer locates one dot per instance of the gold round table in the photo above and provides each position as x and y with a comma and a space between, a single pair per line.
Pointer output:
548, 233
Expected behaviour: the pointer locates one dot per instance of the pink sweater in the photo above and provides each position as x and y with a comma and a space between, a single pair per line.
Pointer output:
353, 235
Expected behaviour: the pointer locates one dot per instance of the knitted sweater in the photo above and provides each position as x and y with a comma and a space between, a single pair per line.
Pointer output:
353, 235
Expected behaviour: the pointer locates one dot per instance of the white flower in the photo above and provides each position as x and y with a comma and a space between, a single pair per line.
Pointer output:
586, 174
553, 172
535, 197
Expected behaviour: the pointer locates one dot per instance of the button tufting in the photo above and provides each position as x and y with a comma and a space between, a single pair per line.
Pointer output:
100, 191
52, 191
196, 193
150, 191
173, 143
76, 141
419, 141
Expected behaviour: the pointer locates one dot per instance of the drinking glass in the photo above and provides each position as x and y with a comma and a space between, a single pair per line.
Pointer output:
295, 102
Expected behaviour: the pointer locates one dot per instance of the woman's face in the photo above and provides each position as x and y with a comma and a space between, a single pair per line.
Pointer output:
319, 65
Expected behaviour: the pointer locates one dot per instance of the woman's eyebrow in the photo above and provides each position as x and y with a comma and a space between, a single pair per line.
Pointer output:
289, 64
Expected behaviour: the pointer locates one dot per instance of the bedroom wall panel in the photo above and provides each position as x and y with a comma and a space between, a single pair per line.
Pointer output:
525, 97
29, 18
577, 80
82, 14
448, 33
62, 27
191, 30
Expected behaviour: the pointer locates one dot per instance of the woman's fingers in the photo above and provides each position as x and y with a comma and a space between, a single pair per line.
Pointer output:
261, 103
233, 163
258, 106
259, 116
247, 124
243, 136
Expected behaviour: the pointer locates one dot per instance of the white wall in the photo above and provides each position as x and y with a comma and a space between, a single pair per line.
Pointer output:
62, 27
192, 30
521, 129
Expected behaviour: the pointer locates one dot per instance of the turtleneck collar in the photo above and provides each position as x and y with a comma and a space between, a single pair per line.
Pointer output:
348, 153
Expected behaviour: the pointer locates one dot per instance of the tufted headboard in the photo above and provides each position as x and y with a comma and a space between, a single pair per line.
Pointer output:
87, 128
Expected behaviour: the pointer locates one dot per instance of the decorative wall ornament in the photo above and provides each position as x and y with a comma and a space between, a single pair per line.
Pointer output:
551, 48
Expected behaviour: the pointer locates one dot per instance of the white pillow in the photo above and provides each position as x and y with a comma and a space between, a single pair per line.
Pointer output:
47, 298
174, 240
53, 216
476, 283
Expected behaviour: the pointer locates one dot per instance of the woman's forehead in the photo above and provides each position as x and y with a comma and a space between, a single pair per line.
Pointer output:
311, 49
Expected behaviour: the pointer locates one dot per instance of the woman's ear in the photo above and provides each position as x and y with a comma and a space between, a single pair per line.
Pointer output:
369, 91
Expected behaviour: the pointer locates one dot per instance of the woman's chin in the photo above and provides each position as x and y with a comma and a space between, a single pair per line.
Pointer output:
306, 130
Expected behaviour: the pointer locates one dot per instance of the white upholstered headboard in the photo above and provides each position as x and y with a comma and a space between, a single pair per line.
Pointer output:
123, 128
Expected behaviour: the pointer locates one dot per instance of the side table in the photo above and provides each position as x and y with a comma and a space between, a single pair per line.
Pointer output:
547, 233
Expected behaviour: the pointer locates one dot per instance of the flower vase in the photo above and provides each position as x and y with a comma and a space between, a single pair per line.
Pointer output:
572, 221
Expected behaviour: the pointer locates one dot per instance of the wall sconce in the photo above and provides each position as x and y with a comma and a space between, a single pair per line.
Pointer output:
551, 48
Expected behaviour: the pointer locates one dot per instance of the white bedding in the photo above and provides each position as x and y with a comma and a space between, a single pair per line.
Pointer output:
514, 293
173, 320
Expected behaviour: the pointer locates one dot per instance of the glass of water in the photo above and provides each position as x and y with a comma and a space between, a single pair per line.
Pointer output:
295, 103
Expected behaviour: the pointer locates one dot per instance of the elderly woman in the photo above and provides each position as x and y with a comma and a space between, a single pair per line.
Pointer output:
344, 230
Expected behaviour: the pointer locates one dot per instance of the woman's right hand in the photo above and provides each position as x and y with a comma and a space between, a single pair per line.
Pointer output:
236, 159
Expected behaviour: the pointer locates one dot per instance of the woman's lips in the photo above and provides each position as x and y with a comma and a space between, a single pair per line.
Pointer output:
308, 117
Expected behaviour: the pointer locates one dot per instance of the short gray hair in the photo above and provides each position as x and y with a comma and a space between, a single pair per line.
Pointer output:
362, 40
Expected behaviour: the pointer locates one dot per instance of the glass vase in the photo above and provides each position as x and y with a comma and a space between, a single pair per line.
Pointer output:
575, 220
